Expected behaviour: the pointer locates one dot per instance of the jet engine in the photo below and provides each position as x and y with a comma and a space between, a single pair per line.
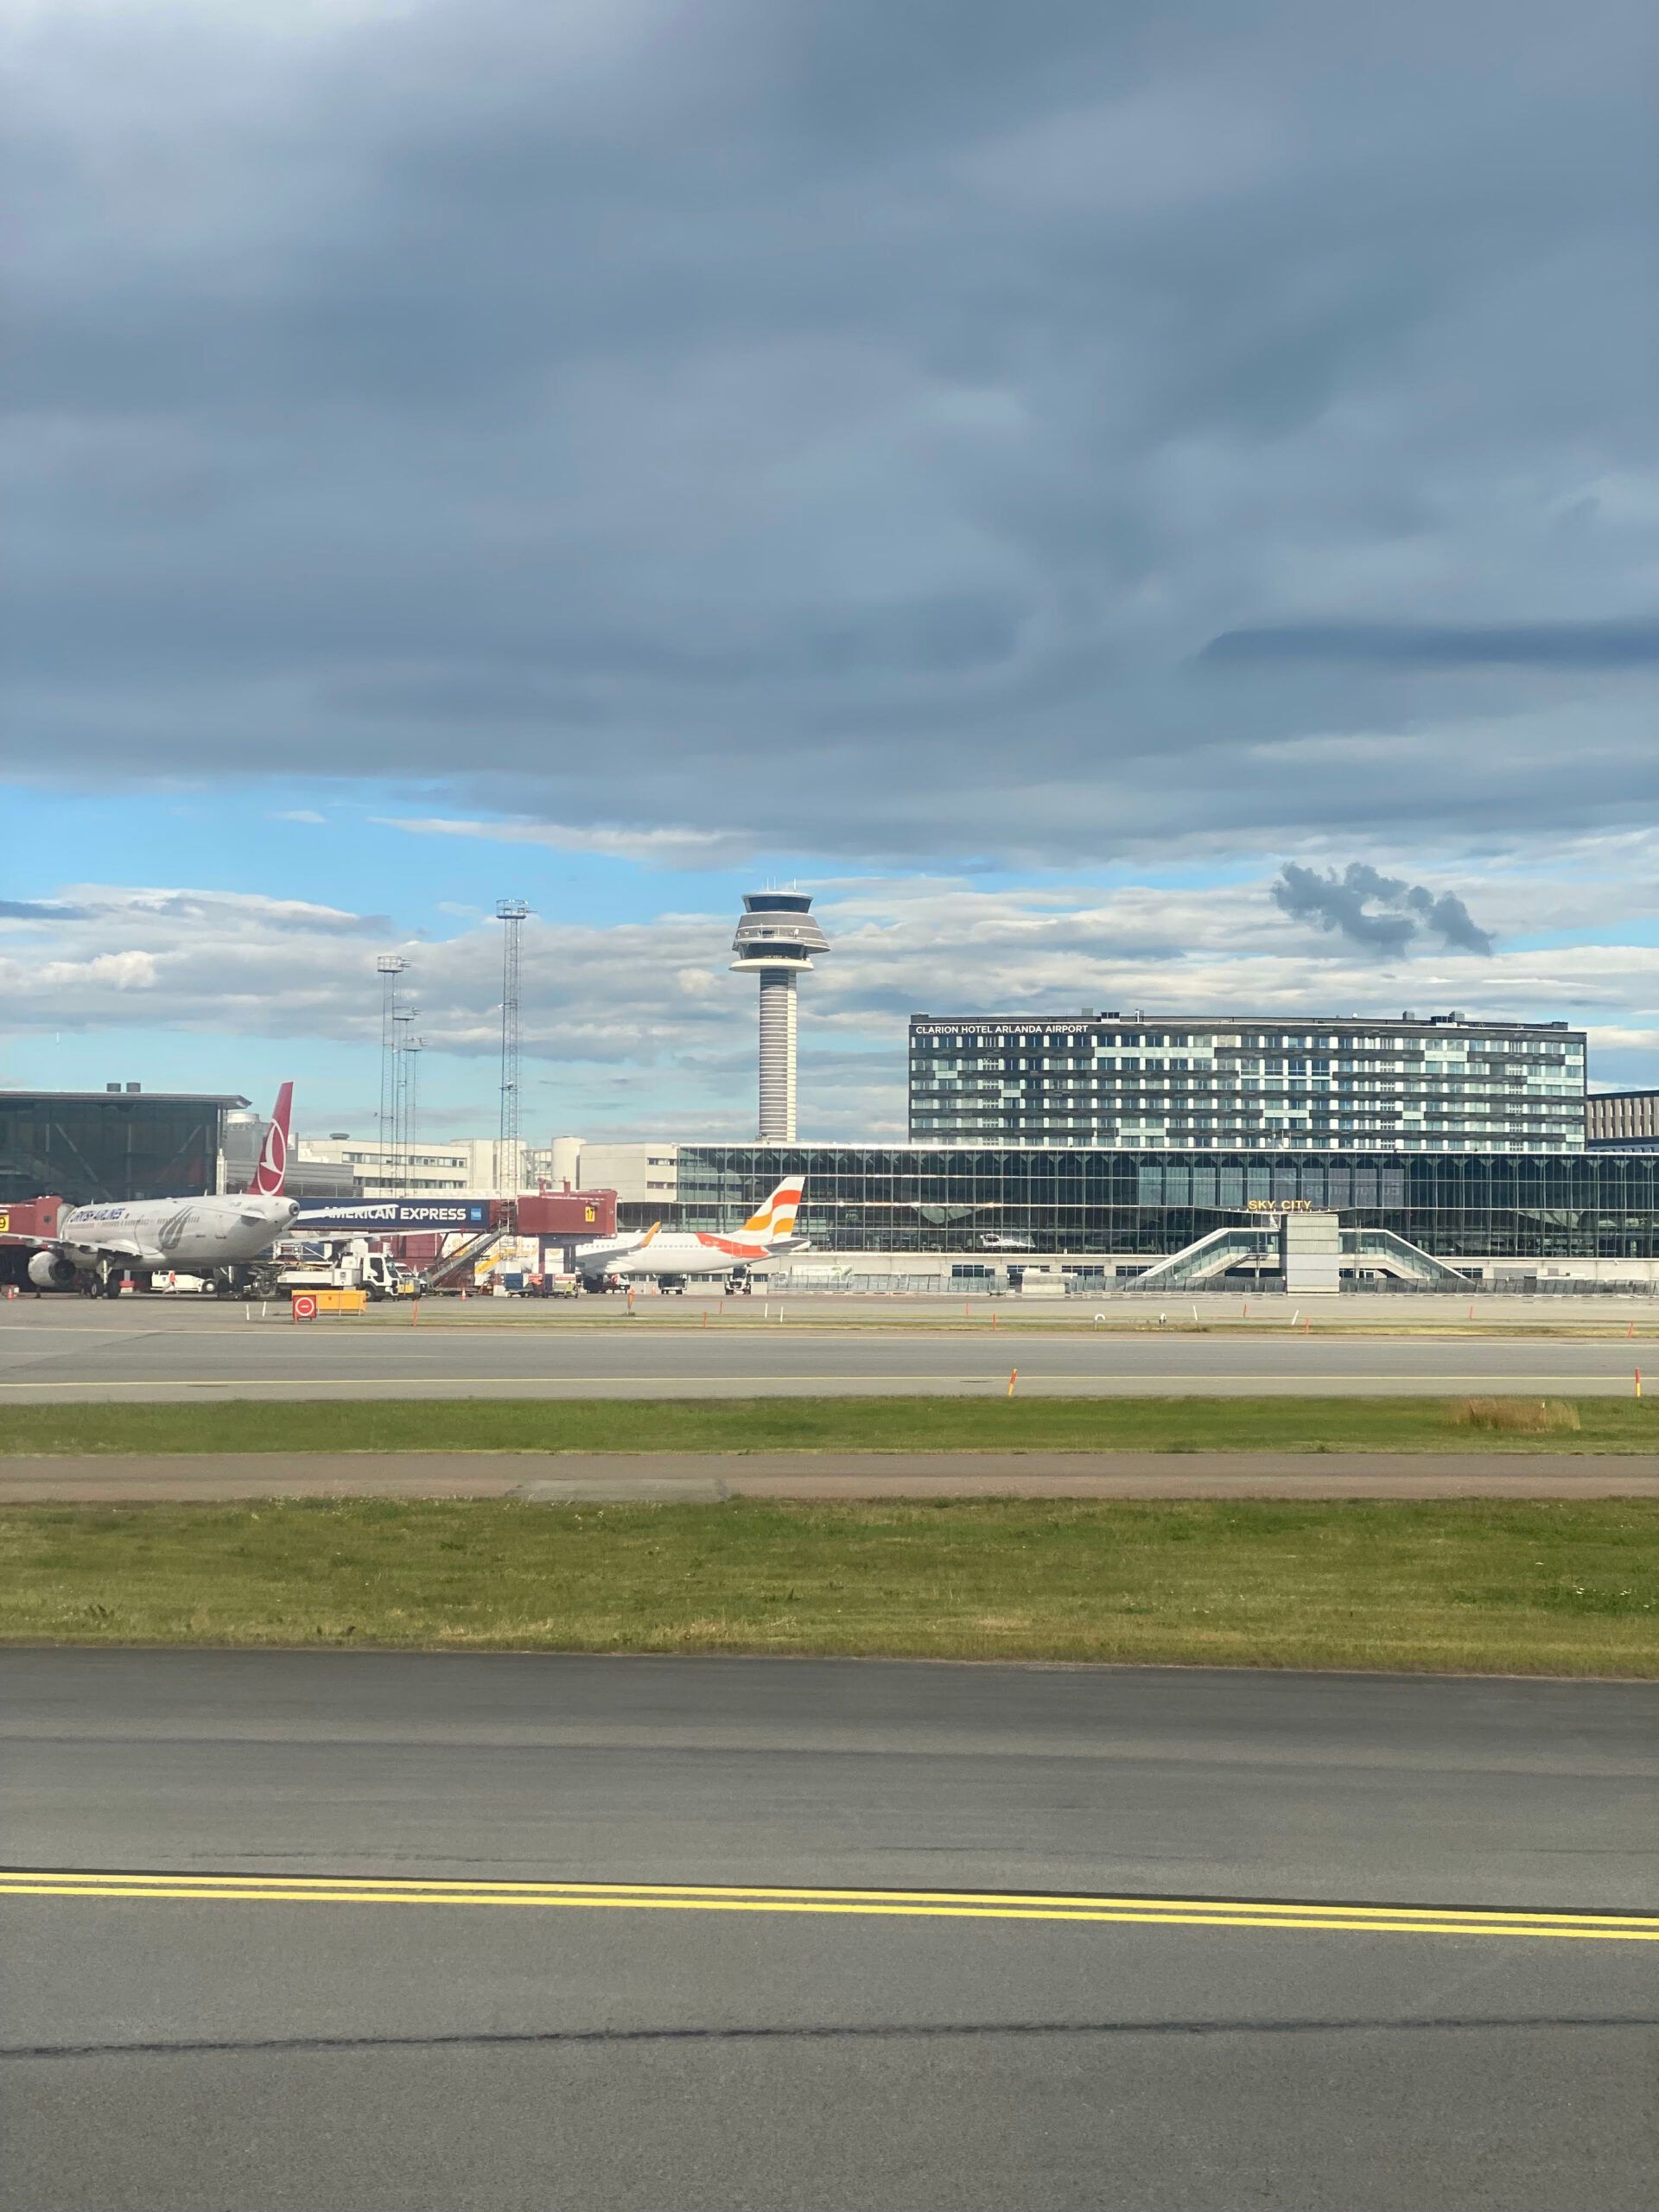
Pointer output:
51, 1271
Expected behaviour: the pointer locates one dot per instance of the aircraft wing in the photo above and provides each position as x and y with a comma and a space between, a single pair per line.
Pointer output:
124, 1251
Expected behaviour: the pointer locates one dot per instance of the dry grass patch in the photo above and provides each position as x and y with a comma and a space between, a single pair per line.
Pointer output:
1519, 1416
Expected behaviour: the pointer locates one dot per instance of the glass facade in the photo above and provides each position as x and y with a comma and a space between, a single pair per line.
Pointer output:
912, 1198
87, 1146
1440, 1085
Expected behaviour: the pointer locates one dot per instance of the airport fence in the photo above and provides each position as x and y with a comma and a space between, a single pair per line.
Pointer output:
1106, 1283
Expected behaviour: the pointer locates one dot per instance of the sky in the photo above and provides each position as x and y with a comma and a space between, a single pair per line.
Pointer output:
1130, 506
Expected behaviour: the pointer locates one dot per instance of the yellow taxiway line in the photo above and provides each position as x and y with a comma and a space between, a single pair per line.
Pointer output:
927, 1904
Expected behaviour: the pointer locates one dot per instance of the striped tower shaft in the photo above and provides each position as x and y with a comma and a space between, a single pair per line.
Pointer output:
777, 935
777, 1057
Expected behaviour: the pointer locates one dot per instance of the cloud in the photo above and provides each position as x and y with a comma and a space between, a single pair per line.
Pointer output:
1452, 920
305, 814
1382, 912
113, 971
640, 1025
846, 424
39, 909
667, 847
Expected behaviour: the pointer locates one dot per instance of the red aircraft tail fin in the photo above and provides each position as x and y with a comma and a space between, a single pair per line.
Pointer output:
271, 1173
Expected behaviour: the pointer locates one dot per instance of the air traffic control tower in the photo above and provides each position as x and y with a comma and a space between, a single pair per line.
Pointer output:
775, 941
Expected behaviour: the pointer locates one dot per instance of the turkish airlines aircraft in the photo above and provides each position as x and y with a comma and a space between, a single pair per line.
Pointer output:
764, 1235
95, 1246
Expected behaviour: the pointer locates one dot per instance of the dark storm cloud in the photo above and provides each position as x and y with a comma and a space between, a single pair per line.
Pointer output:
1383, 913
628, 413
1566, 646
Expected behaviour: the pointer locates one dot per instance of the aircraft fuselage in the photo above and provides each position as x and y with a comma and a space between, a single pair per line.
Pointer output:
194, 1236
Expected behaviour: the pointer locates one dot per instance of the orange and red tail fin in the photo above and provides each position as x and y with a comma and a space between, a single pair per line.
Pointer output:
777, 1217
271, 1173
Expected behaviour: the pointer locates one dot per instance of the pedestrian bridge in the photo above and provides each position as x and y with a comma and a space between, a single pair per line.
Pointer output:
1311, 1250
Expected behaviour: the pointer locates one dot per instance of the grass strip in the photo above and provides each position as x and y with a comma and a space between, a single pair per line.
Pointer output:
1467, 1587
993, 1423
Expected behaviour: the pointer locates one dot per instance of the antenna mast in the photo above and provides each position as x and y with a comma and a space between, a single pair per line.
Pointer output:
410, 1065
388, 967
511, 913
401, 1019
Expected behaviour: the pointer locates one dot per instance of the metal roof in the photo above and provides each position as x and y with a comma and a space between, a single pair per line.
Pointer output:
1428, 1025
8, 1097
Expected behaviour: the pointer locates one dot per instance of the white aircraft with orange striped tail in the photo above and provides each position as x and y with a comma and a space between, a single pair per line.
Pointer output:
674, 1254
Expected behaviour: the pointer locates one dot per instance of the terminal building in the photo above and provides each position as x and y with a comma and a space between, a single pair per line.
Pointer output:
1215, 1083
124, 1142
1494, 1216
1484, 1212
366, 1168
90, 1147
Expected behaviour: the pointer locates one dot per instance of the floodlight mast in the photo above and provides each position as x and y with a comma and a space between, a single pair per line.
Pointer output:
776, 938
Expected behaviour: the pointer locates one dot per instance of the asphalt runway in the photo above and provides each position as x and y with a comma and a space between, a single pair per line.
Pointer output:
314, 2041
72, 1350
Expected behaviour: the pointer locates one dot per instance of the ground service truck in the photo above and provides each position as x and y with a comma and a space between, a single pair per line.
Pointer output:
354, 1269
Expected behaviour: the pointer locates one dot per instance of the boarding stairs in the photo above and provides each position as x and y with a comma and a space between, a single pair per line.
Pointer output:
450, 1267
